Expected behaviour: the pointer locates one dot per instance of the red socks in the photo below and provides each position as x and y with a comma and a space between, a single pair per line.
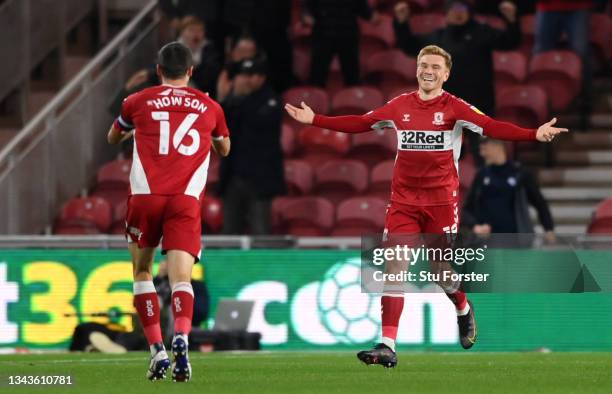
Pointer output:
182, 307
392, 306
460, 300
147, 306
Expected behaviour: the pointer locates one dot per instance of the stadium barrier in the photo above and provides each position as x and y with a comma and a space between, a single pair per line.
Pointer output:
304, 298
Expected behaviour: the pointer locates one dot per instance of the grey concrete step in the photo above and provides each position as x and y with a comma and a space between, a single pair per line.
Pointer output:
576, 194
575, 214
589, 140
575, 176
565, 229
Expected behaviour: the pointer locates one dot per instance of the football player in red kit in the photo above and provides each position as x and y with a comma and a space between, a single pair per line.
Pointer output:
173, 127
424, 192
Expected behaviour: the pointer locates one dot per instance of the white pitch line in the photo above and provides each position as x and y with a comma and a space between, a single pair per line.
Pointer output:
71, 361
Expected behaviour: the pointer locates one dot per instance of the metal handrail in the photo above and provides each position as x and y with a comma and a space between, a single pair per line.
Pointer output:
46, 115
243, 242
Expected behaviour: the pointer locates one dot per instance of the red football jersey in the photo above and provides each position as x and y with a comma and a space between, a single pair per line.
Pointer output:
173, 129
429, 136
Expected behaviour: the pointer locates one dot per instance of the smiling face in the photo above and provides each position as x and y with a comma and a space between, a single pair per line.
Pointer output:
432, 72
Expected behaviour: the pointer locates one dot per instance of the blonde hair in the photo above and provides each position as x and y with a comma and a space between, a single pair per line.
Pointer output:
436, 50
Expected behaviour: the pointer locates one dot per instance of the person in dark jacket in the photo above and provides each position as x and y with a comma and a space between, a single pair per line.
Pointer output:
335, 32
471, 45
209, 11
267, 21
253, 174
499, 199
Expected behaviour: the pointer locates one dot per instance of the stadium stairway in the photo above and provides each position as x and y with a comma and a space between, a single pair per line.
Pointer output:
582, 174
70, 55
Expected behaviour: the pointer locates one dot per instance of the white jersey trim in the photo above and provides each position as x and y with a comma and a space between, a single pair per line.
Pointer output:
198, 179
124, 123
138, 177
469, 125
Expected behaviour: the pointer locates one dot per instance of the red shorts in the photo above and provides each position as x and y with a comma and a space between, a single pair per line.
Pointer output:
415, 219
176, 218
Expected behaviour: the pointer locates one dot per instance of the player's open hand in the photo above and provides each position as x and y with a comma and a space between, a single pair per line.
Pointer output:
547, 132
303, 115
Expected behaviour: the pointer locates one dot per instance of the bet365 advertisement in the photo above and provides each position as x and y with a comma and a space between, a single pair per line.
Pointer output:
304, 299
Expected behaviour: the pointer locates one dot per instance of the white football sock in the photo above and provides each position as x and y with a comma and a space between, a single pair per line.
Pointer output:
464, 311
389, 342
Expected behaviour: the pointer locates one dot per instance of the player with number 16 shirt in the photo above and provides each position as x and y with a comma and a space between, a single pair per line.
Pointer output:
174, 128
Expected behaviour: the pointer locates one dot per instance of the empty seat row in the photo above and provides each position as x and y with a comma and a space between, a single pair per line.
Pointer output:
290, 215
390, 73
95, 215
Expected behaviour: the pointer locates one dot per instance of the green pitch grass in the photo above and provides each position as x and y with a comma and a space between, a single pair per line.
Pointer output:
315, 372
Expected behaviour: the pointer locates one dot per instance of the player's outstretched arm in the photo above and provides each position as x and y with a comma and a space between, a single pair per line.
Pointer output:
547, 133
344, 124
116, 135
303, 115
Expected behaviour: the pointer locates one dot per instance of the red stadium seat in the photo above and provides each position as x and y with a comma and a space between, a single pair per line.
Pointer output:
523, 105
316, 98
380, 179
113, 180
212, 179
360, 215
300, 35
604, 209
339, 179
559, 74
527, 23
376, 37
86, 212
212, 215
373, 147
298, 175
278, 205
119, 217
62, 228
356, 100
510, 69
601, 31
305, 216
415, 5
401, 90
388, 69
319, 145
335, 80
427, 23
114, 195
467, 171
301, 64
288, 139
600, 226
116, 171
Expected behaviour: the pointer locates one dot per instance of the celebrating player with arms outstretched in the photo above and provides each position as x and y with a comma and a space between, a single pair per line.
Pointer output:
424, 196
173, 128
